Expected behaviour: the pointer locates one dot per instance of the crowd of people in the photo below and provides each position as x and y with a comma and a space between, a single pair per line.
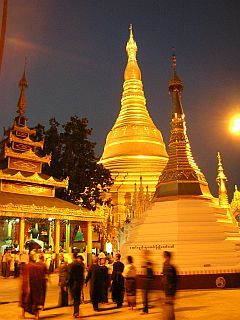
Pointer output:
122, 281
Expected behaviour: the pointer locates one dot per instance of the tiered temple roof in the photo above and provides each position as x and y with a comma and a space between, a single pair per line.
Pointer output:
24, 190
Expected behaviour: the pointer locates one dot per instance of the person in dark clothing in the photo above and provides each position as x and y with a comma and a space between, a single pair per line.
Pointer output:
117, 281
98, 275
33, 287
147, 285
169, 285
76, 280
91, 277
63, 281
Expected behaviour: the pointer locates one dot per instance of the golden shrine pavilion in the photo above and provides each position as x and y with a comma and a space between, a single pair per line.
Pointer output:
134, 150
27, 196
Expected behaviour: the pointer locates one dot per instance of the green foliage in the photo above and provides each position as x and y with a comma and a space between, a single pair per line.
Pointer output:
73, 156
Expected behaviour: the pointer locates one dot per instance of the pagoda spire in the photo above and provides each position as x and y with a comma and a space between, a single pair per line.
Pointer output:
23, 84
181, 176
221, 180
132, 70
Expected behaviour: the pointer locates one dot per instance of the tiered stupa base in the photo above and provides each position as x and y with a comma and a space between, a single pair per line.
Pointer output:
205, 243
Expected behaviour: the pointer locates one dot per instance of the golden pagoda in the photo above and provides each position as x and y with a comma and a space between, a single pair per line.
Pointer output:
27, 196
134, 147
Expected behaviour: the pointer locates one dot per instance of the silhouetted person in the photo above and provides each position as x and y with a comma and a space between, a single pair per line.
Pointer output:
76, 280
170, 285
99, 282
117, 281
93, 280
33, 287
147, 285
63, 281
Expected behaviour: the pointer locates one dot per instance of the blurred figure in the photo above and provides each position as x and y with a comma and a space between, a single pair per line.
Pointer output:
76, 280
41, 263
169, 285
129, 274
16, 264
33, 287
81, 259
63, 281
102, 281
99, 292
4, 264
8, 259
117, 281
147, 285
91, 277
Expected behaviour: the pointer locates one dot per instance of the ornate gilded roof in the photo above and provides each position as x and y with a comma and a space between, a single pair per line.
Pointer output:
181, 176
28, 206
39, 178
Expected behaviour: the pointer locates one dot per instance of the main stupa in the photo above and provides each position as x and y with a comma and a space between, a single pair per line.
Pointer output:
134, 147
185, 218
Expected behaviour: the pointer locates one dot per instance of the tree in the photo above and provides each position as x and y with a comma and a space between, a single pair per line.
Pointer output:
53, 146
73, 156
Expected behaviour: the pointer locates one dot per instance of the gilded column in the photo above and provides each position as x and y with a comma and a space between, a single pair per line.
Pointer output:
57, 236
68, 230
9, 229
89, 243
21, 234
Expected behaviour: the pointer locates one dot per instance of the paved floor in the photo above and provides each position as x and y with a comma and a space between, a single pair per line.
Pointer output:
190, 305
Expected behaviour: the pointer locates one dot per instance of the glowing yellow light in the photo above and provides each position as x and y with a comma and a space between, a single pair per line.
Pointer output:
235, 124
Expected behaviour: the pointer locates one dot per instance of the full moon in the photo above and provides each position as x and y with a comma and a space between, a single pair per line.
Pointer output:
235, 124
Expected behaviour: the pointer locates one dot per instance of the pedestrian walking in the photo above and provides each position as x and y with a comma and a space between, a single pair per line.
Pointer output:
76, 280
63, 281
33, 287
91, 278
44, 278
8, 260
4, 271
148, 277
170, 286
117, 278
99, 282
129, 274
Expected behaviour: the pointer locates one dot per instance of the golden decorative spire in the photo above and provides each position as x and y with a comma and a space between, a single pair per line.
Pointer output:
134, 146
21, 106
181, 176
221, 180
132, 70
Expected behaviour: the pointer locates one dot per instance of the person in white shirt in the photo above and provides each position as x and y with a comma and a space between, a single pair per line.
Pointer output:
129, 274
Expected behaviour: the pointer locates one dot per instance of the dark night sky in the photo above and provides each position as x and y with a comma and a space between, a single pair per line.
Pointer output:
76, 59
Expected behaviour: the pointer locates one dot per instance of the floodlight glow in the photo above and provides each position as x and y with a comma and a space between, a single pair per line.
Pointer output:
235, 124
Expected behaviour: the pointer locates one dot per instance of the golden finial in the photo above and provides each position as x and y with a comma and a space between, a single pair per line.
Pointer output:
131, 47
220, 167
131, 32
